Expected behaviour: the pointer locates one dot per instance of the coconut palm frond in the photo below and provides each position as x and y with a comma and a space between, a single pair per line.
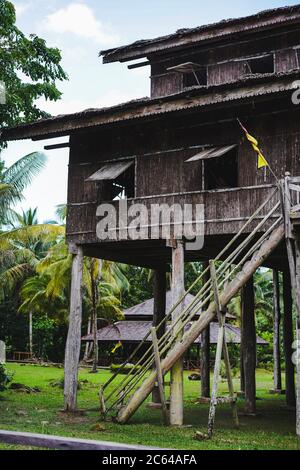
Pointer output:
4, 189
61, 212
14, 275
44, 232
59, 274
21, 173
115, 274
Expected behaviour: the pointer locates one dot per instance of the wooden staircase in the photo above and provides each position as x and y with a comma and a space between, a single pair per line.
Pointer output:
230, 271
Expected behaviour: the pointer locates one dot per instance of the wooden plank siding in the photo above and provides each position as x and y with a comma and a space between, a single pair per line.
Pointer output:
224, 63
163, 176
225, 211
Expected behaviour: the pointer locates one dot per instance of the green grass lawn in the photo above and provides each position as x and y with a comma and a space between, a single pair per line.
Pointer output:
272, 428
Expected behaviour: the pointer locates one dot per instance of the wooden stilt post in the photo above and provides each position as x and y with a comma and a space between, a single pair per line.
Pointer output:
249, 346
276, 337
214, 392
288, 339
242, 373
159, 311
73, 344
221, 346
205, 353
160, 379
293, 252
176, 397
297, 295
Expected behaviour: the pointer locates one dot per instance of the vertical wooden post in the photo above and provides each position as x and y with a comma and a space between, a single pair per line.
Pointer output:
276, 337
242, 373
73, 344
160, 378
176, 398
230, 382
297, 295
214, 392
159, 311
249, 346
288, 339
205, 351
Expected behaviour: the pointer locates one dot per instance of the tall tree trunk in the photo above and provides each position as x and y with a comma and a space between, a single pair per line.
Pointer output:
95, 301
242, 372
73, 344
88, 344
249, 346
276, 337
30, 334
205, 350
288, 339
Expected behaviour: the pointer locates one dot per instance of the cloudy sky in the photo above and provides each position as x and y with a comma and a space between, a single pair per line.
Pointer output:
81, 29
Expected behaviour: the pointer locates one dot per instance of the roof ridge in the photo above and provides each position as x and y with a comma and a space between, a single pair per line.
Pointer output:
264, 14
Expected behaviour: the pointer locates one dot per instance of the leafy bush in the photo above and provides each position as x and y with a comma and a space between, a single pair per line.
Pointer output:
5, 378
43, 329
223, 374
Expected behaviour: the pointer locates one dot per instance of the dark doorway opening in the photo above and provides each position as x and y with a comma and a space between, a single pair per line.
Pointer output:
261, 65
221, 172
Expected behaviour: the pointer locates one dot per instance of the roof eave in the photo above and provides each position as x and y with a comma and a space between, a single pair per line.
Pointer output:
262, 21
194, 98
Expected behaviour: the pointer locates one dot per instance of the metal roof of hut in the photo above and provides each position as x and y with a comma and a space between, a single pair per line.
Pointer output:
135, 331
144, 310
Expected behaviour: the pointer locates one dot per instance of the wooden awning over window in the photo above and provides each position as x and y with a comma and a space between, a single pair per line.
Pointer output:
212, 152
187, 67
111, 171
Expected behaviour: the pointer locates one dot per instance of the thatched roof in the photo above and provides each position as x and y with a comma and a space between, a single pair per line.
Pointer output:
135, 332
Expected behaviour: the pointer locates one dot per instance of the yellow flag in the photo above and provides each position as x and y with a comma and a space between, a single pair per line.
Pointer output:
261, 162
117, 346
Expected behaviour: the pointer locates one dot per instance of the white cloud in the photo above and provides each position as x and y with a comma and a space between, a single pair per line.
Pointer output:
63, 106
79, 19
21, 8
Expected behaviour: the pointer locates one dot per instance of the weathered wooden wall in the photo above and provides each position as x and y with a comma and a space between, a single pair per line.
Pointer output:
224, 62
162, 175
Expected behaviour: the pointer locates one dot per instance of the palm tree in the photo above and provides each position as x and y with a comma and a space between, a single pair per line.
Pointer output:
26, 219
103, 284
22, 248
14, 180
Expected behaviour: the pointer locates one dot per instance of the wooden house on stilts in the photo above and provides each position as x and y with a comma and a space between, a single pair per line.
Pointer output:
183, 148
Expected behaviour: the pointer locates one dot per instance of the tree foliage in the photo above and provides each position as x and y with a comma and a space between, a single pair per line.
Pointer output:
14, 180
28, 68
